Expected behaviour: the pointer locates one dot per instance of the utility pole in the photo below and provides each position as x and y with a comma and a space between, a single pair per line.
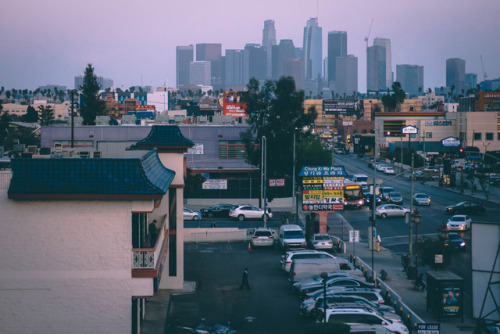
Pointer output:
72, 119
410, 239
293, 176
264, 176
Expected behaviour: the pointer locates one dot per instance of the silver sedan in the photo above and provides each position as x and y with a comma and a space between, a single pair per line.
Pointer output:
391, 210
320, 241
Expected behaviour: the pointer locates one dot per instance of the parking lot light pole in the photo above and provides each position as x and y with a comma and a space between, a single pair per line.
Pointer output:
324, 276
410, 240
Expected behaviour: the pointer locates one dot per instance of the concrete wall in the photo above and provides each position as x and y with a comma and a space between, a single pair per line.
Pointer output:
65, 266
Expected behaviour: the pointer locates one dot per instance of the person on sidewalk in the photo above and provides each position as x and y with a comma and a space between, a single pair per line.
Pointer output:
244, 280
213, 225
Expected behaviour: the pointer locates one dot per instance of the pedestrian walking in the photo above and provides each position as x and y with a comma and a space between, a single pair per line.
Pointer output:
213, 224
244, 280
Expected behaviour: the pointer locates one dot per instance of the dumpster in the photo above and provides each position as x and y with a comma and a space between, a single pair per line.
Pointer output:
444, 294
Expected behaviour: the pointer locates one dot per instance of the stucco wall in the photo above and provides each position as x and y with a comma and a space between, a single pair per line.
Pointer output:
67, 268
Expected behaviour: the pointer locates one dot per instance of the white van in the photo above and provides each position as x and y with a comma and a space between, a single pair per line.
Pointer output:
304, 268
291, 236
360, 179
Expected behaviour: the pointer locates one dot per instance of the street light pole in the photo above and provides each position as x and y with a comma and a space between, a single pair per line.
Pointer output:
264, 176
410, 238
293, 176
374, 202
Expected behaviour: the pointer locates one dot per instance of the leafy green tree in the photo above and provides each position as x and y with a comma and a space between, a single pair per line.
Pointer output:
276, 111
31, 115
393, 101
5, 119
46, 115
26, 136
92, 105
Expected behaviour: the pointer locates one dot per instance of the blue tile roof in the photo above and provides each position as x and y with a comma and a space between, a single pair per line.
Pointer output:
164, 136
144, 177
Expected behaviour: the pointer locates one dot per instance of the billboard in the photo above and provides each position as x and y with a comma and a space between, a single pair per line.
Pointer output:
322, 188
339, 107
232, 104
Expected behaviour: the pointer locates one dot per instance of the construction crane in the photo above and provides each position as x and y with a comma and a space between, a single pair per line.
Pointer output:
367, 36
485, 76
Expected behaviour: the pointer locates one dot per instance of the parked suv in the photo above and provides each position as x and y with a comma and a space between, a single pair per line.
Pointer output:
352, 316
246, 211
262, 237
288, 257
291, 236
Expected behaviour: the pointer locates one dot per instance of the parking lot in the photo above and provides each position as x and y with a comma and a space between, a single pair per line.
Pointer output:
269, 307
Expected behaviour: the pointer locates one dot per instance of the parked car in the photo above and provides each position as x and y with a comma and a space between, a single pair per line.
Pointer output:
262, 237
353, 316
391, 210
374, 295
384, 192
319, 310
389, 170
312, 311
189, 214
338, 281
288, 257
247, 211
320, 241
395, 198
466, 208
218, 210
421, 199
315, 279
291, 236
454, 241
459, 223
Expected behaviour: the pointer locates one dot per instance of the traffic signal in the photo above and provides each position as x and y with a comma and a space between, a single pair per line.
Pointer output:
461, 150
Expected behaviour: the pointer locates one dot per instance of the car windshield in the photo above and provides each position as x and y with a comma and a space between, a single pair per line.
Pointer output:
262, 233
457, 219
361, 179
293, 234
322, 237
461, 204
421, 196
454, 237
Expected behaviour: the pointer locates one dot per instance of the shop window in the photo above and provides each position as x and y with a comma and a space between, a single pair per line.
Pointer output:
232, 149
478, 136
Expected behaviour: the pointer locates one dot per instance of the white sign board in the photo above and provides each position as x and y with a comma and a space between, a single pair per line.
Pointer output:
438, 258
215, 184
196, 149
451, 142
347, 123
409, 130
354, 236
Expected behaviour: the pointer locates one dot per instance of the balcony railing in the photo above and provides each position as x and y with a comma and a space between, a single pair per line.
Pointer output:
147, 258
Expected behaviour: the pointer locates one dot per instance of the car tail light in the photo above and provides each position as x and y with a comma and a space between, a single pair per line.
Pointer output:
294, 273
381, 302
269, 236
288, 262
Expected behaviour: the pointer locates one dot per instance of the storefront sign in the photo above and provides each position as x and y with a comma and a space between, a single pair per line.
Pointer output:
437, 123
450, 142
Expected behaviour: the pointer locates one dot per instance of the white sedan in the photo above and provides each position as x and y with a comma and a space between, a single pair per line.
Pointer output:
459, 223
391, 210
191, 215
389, 170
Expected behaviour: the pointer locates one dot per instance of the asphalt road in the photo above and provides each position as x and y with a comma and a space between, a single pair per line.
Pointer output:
269, 307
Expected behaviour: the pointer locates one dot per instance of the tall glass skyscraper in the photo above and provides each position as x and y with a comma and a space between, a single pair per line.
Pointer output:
347, 75
268, 40
386, 43
184, 57
313, 50
455, 74
337, 47
411, 78
376, 68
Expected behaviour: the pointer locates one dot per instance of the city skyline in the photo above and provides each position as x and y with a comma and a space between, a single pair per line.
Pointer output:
53, 42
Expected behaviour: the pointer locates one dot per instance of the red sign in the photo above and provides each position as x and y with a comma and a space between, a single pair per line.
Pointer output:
322, 207
276, 182
232, 104
147, 107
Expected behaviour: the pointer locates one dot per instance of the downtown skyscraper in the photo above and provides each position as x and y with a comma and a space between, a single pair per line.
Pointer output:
386, 43
411, 78
455, 74
184, 57
337, 47
268, 40
376, 69
313, 49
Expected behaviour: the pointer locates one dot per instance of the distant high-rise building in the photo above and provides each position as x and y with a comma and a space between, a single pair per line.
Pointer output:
103, 83
313, 50
376, 68
295, 69
455, 74
347, 75
236, 69
257, 61
411, 78
211, 52
200, 73
337, 47
268, 40
184, 57
282, 53
471, 80
386, 43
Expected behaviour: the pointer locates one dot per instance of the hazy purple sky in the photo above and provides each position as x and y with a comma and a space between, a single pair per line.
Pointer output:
52, 41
